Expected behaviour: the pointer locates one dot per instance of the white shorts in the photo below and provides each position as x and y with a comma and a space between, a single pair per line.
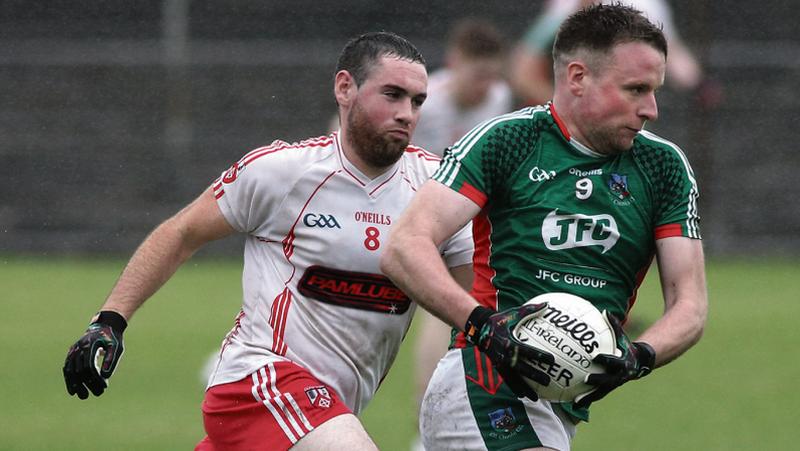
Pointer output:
467, 407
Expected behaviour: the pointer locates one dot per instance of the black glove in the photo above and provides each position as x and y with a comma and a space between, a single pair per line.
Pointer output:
638, 360
80, 370
491, 331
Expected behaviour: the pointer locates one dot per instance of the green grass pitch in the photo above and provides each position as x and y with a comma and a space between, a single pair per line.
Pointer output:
733, 391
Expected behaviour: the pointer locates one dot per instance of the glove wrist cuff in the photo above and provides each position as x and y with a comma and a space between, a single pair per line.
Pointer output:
475, 323
646, 356
113, 319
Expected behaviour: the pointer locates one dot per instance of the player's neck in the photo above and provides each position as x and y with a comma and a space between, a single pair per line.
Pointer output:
566, 119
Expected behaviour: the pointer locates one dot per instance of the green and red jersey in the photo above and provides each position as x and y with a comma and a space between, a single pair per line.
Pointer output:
557, 216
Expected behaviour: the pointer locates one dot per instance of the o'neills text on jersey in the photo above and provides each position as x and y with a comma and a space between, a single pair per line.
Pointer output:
373, 218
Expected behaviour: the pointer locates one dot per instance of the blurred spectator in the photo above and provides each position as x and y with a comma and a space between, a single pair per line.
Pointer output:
468, 90
532, 65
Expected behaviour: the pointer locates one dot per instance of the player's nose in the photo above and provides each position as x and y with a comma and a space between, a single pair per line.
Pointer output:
648, 108
404, 112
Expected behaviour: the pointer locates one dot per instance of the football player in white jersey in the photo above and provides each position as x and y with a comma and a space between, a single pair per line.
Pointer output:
319, 325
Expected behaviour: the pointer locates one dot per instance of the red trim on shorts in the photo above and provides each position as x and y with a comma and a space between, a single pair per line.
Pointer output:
272, 409
473, 194
668, 230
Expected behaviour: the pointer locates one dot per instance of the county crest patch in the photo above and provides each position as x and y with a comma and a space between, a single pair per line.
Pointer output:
619, 186
503, 420
319, 396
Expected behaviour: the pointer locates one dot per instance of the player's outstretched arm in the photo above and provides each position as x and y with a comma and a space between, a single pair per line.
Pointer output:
681, 268
153, 263
164, 250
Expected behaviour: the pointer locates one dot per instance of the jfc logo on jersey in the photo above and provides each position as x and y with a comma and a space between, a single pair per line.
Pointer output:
619, 186
571, 231
321, 221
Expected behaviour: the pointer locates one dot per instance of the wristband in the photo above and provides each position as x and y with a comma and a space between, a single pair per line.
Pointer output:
646, 356
475, 323
110, 318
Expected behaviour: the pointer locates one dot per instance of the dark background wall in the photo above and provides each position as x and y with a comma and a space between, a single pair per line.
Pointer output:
114, 114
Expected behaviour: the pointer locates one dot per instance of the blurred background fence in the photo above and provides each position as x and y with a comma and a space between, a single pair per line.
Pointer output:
115, 113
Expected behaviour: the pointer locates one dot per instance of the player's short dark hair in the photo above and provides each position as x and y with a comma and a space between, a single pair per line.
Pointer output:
600, 27
360, 54
476, 38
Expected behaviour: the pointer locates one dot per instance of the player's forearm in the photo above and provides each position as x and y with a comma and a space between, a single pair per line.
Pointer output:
678, 330
153, 263
416, 267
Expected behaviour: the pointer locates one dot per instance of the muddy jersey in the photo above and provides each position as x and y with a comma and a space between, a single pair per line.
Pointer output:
312, 289
557, 216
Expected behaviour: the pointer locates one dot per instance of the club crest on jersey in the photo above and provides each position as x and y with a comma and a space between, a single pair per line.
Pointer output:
572, 231
619, 186
321, 221
319, 396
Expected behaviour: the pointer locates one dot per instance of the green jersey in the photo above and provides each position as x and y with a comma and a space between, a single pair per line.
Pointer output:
557, 216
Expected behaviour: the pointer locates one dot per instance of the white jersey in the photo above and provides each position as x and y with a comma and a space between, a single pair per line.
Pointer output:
313, 291
442, 122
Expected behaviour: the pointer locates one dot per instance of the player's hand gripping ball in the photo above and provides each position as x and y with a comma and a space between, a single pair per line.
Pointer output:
574, 332
492, 333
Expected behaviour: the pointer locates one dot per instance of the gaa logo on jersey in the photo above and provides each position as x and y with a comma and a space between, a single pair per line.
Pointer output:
321, 221
319, 396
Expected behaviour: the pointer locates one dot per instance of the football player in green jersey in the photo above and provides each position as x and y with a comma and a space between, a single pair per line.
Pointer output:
573, 196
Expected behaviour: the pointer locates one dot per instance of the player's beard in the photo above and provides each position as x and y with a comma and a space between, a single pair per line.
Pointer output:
610, 141
374, 148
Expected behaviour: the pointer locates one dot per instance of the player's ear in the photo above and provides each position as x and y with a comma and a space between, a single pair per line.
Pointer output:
576, 73
344, 88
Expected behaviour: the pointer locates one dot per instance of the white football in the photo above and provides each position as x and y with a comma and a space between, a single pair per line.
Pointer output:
574, 331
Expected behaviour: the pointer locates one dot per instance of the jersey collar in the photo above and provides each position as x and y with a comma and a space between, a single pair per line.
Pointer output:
577, 145
371, 186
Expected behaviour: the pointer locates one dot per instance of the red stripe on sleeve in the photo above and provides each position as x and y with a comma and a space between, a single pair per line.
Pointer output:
473, 194
668, 230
